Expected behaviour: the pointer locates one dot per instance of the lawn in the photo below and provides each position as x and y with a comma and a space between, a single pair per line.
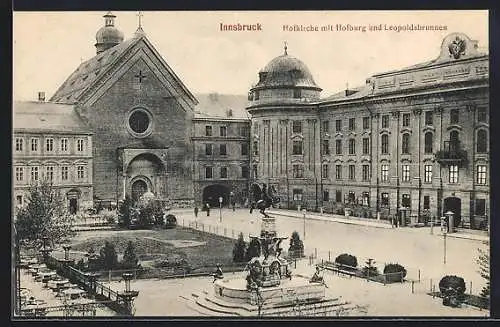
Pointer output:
152, 246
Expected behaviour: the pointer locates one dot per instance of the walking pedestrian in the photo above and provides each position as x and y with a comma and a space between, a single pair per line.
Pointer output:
208, 209
196, 211
251, 208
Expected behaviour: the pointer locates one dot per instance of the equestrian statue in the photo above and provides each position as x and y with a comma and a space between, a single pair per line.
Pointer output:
265, 198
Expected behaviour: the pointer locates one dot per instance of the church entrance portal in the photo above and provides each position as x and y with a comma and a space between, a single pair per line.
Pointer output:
145, 173
212, 193
139, 187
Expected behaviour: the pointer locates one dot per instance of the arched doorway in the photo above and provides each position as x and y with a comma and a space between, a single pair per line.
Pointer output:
73, 195
139, 187
212, 193
454, 205
145, 173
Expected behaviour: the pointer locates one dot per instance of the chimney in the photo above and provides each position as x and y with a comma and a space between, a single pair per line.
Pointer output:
41, 96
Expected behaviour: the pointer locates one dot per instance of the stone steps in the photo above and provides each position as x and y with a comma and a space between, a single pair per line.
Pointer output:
212, 306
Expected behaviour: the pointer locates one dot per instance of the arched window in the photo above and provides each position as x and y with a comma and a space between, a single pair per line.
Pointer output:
405, 144
454, 141
385, 144
482, 141
428, 142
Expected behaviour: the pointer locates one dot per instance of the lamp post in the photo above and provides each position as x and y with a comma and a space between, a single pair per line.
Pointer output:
231, 200
451, 222
220, 209
432, 225
448, 214
304, 219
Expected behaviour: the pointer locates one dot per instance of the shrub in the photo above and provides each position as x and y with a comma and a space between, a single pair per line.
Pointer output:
296, 249
124, 214
394, 272
369, 270
170, 221
452, 284
253, 249
130, 260
108, 257
110, 216
239, 249
347, 260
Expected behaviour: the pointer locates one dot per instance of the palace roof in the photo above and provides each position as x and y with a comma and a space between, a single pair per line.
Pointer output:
33, 116
219, 105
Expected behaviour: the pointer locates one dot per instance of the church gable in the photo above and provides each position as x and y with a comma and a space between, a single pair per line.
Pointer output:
141, 66
95, 76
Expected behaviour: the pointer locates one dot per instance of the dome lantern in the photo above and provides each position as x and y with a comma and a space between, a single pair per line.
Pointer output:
108, 36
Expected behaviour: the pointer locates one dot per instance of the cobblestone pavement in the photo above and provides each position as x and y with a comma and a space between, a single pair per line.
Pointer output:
171, 297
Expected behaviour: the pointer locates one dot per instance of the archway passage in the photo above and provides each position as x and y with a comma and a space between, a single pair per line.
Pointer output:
212, 193
454, 205
139, 187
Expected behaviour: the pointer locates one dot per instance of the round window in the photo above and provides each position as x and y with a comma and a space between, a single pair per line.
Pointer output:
140, 123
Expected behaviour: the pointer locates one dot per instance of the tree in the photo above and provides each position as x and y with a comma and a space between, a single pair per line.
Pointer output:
296, 249
108, 256
124, 215
45, 215
239, 249
130, 260
484, 270
158, 213
253, 249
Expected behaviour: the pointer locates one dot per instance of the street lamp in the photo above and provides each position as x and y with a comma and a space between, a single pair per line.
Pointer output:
220, 208
304, 218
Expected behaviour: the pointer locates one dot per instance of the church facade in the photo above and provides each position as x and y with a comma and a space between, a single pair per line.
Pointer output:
141, 116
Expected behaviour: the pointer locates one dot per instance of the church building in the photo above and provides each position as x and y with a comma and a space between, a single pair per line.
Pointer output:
140, 113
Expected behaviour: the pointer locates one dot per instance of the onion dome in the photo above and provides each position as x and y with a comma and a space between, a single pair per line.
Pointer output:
108, 36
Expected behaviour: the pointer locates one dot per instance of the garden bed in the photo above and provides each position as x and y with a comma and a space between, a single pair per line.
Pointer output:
158, 248
357, 272
472, 300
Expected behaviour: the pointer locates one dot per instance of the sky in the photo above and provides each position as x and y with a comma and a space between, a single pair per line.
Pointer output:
49, 46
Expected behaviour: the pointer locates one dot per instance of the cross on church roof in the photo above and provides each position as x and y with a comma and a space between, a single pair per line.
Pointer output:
140, 76
139, 15
286, 49
139, 31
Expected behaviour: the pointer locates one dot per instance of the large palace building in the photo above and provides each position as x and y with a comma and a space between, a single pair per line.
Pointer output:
413, 140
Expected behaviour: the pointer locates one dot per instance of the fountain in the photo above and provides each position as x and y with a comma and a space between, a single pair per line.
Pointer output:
269, 284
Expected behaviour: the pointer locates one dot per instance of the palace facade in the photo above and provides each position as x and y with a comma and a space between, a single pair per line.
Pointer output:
413, 140
51, 142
